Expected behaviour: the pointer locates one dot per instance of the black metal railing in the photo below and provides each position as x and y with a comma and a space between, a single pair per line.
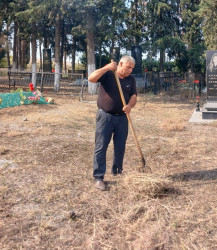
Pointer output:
69, 82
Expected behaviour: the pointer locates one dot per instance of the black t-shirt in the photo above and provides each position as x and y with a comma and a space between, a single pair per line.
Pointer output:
109, 98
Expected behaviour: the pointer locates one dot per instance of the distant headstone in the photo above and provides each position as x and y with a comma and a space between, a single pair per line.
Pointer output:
115, 54
47, 66
209, 110
211, 71
136, 53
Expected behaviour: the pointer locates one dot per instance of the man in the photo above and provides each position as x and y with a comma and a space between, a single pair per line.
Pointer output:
111, 117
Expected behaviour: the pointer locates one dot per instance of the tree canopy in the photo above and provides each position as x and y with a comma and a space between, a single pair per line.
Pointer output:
179, 30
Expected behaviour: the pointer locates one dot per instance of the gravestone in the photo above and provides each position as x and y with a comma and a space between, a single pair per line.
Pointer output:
209, 110
136, 53
47, 67
115, 53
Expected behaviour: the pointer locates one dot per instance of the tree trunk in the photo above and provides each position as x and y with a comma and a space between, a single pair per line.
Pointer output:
73, 60
137, 37
73, 54
113, 30
57, 54
19, 50
27, 53
24, 52
112, 47
192, 67
14, 65
91, 66
65, 59
45, 43
62, 45
8, 55
40, 55
161, 60
100, 56
8, 50
34, 50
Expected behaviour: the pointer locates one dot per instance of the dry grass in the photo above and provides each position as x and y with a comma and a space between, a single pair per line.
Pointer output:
3, 150
172, 125
48, 199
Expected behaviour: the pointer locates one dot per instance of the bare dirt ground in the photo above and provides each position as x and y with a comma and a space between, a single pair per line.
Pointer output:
47, 194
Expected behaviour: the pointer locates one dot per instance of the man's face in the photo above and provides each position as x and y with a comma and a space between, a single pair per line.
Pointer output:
126, 68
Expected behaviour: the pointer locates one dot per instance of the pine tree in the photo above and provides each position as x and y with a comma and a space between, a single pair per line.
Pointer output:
162, 24
90, 12
208, 14
136, 24
52, 13
192, 33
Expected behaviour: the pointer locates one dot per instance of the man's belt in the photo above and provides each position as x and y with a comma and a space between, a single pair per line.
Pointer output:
117, 114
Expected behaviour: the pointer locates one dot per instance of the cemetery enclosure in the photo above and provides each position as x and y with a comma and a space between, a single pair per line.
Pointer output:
46, 177
74, 82
77, 84
69, 82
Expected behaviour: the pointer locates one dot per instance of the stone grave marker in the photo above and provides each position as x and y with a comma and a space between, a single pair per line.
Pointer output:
47, 67
116, 54
136, 53
209, 110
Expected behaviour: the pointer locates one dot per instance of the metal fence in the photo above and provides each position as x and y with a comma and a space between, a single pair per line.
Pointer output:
70, 83
75, 84
164, 83
158, 82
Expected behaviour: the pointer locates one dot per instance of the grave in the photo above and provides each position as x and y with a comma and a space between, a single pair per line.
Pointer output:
209, 110
47, 66
136, 53
116, 54
19, 98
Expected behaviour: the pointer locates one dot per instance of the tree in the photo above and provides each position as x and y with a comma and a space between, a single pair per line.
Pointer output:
192, 33
116, 24
136, 25
161, 27
5, 24
89, 12
57, 53
34, 50
27, 29
36, 11
162, 24
207, 13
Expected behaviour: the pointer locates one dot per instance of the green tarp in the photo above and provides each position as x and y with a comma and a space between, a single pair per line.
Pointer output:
17, 99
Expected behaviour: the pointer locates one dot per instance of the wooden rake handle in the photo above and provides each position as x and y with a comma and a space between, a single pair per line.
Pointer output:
129, 120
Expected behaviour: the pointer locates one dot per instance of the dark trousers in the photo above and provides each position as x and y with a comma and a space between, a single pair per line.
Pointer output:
108, 125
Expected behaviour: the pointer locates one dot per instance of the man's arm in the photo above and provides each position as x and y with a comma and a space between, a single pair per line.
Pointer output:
131, 104
95, 75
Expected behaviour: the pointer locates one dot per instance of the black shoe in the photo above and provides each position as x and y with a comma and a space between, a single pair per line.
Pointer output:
100, 185
116, 172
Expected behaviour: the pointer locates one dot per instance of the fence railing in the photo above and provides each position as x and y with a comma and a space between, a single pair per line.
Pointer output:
157, 82
164, 83
74, 83
69, 82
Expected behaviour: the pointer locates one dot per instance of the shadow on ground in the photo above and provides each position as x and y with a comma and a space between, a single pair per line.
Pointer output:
203, 175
